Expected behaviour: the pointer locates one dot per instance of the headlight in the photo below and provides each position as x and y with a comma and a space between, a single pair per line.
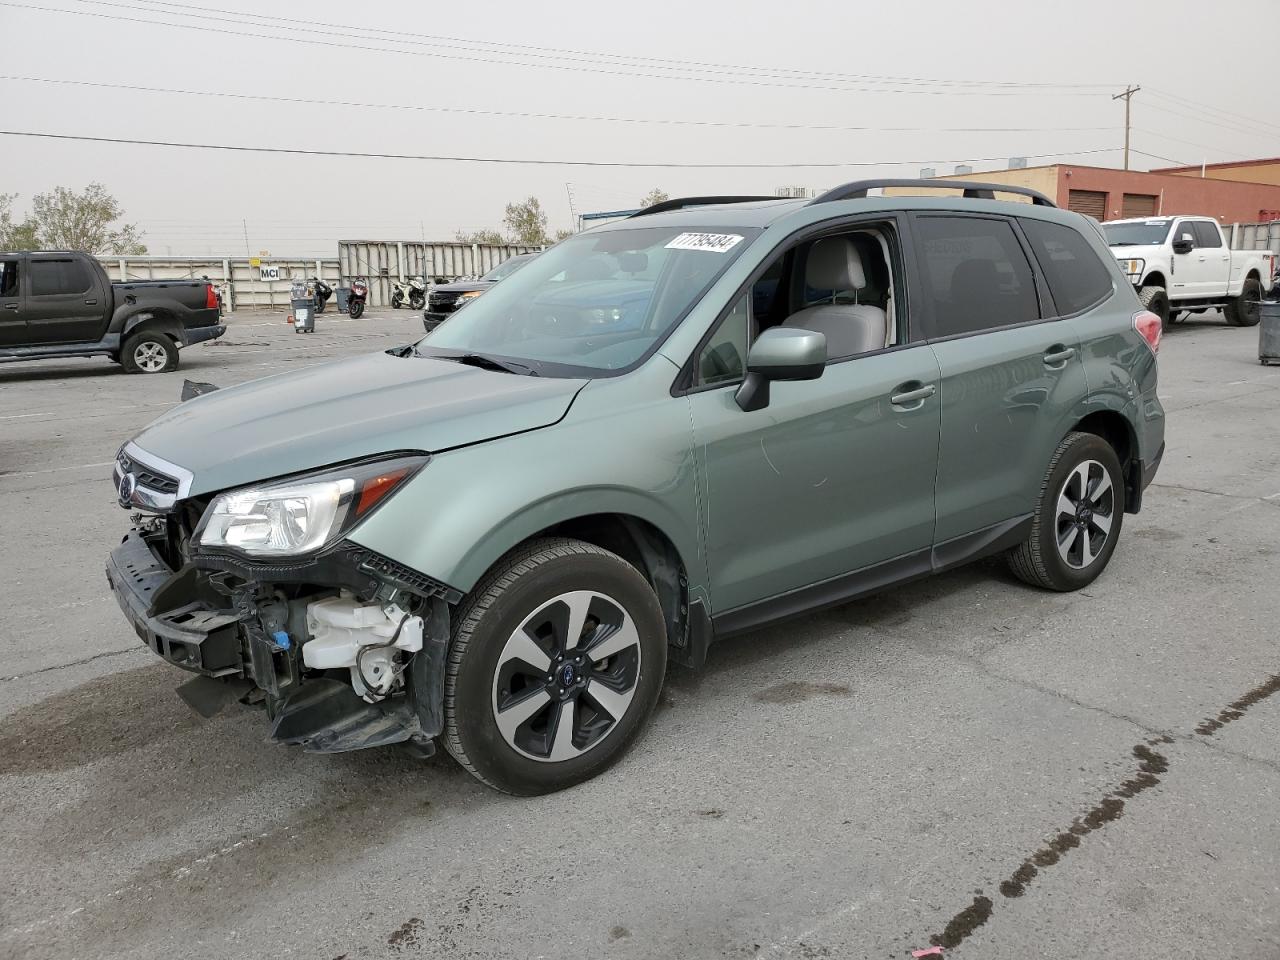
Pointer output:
1133, 266
469, 295
300, 516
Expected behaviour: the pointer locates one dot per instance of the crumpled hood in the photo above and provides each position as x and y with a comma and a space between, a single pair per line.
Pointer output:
358, 407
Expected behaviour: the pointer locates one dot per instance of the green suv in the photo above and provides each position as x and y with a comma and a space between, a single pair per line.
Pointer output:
716, 414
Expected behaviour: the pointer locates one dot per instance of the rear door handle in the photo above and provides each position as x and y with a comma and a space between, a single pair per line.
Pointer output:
916, 396
91, 303
1056, 356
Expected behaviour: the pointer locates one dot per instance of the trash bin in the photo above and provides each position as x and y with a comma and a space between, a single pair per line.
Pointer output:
343, 294
302, 298
1269, 332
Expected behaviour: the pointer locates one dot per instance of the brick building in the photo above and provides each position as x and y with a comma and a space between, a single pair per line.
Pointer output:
1233, 193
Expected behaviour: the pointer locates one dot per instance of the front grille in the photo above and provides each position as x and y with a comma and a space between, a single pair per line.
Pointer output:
443, 302
151, 479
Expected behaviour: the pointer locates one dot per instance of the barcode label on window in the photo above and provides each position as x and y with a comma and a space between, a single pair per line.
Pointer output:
710, 242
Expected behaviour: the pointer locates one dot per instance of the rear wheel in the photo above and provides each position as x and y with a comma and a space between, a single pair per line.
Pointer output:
397, 298
355, 309
1156, 299
1246, 309
417, 301
149, 353
556, 662
1077, 519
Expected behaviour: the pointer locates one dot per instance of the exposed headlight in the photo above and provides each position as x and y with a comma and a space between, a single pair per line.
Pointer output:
300, 516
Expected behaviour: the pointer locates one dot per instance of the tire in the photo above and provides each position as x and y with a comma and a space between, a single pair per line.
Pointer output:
320, 306
1246, 309
149, 353
396, 300
1054, 554
487, 675
355, 310
417, 302
1156, 299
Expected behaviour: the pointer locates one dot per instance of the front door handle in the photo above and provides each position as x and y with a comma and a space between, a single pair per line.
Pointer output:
917, 395
91, 303
11, 306
1056, 356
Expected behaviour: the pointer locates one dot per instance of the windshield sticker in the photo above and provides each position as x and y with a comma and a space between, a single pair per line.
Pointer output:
711, 242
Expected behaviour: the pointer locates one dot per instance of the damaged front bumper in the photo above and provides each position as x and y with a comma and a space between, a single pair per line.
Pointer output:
243, 627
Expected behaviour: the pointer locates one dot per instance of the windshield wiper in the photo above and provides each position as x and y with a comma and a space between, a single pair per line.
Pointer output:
486, 362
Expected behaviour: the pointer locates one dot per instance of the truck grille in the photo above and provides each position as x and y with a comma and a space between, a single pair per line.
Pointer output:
442, 302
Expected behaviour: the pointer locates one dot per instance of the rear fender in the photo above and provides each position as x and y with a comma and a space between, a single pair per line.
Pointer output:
153, 321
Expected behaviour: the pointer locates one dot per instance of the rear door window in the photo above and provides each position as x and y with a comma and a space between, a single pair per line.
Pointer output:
1206, 234
59, 278
1077, 279
975, 274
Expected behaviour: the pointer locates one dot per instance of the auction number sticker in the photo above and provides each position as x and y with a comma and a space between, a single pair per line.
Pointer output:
710, 242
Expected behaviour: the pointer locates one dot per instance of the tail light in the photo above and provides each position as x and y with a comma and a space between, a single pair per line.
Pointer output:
1148, 324
210, 297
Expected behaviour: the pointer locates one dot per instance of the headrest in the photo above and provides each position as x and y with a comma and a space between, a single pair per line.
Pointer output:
834, 264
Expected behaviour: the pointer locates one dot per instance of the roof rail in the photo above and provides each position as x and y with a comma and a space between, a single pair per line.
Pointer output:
973, 190
681, 203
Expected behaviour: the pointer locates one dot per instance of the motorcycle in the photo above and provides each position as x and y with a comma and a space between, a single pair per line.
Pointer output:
412, 291
323, 293
357, 297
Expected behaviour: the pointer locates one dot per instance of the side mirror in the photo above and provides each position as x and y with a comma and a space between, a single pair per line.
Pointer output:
1184, 244
780, 353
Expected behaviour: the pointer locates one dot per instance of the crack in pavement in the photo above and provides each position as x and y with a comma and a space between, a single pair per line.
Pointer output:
1152, 766
72, 663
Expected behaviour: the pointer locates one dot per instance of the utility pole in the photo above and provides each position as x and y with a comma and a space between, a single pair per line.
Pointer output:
573, 213
1127, 96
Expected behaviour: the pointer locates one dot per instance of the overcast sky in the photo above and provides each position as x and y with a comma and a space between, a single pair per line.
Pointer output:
743, 62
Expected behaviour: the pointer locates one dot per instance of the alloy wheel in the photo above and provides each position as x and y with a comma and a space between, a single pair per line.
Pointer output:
566, 676
150, 356
1086, 508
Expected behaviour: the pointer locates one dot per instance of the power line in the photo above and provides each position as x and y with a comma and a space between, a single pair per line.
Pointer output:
509, 63
1233, 128
635, 58
1199, 106
1189, 143
469, 111
512, 160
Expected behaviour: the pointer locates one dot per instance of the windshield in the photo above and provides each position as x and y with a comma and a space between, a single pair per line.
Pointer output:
1146, 232
505, 269
594, 303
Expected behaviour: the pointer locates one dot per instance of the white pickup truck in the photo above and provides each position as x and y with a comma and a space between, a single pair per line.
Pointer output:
1183, 265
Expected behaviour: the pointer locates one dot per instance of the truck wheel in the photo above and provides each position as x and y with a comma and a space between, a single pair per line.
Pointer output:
1246, 309
149, 353
1077, 518
1156, 299
555, 664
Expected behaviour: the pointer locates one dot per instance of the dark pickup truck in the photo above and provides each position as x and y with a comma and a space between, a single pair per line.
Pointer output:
61, 304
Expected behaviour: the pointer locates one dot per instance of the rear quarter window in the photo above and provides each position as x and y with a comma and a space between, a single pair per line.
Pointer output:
1077, 278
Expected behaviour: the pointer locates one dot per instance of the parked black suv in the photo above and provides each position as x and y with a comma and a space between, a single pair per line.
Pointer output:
445, 298
61, 304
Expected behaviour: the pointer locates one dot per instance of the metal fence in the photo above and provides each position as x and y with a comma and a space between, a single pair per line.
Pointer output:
1254, 236
383, 262
243, 284
240, 282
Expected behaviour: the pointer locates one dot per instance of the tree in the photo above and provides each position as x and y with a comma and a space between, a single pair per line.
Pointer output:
656, 195
16, 236
480, 236
526, 222
66, 220
562, 234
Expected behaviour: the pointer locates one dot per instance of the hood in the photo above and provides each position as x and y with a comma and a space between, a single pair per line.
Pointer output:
462, 286
358, 407
1135, 251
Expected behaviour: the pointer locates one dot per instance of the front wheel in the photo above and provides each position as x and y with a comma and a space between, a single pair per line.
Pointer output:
417, 301
1246, 309
149, 353
1156, 299
556, 662
397, 299
1077, 518
355, 309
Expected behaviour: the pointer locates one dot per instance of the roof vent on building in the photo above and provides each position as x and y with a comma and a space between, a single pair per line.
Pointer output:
962, 169
1017, 163
928, 173
802, 193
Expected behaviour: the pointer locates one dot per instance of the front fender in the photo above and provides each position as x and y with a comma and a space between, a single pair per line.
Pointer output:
623, 448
